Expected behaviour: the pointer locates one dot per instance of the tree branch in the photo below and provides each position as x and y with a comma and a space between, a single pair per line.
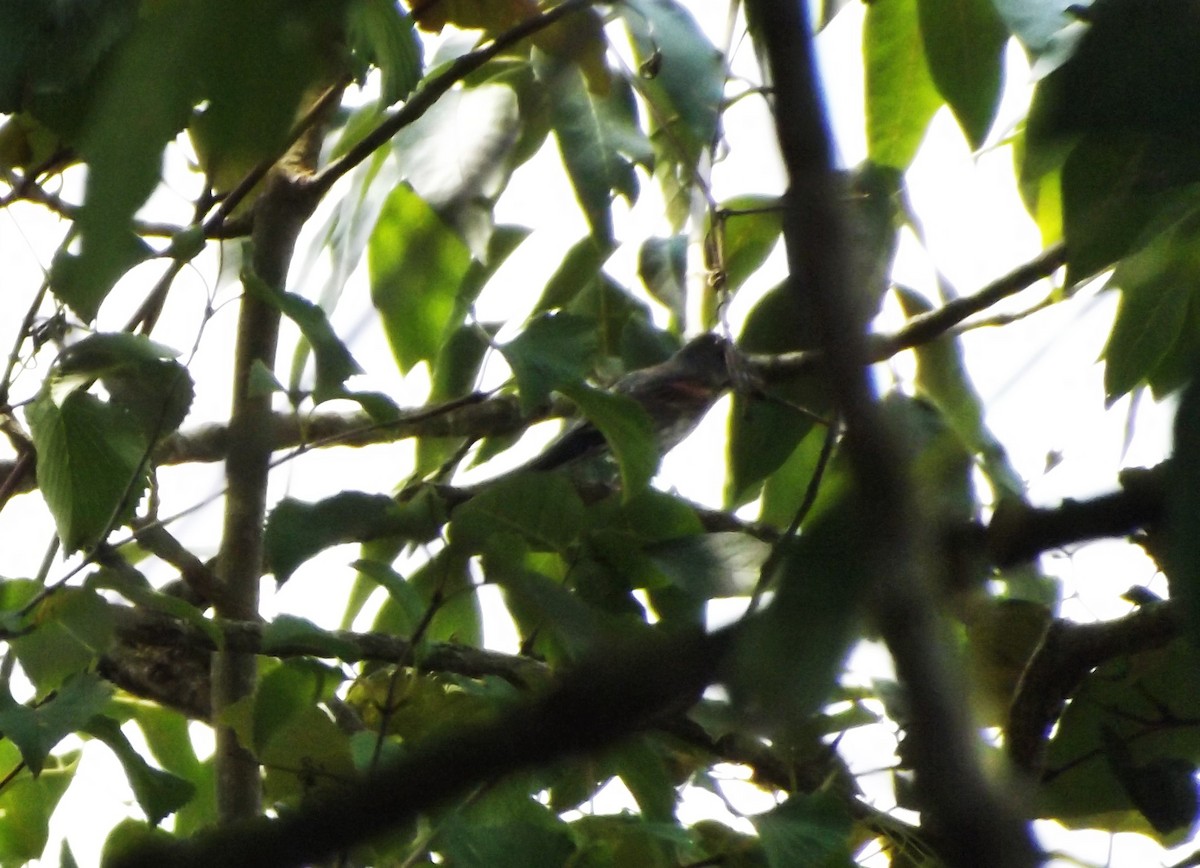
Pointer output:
280, 212
424, 98
974, 823
609, 696
1067, 654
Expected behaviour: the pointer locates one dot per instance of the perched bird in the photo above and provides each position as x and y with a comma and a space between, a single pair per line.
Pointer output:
675, 394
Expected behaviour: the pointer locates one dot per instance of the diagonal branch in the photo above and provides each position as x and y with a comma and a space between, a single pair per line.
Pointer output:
608, 697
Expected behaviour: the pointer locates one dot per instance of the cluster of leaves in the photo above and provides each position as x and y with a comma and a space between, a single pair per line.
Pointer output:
1113, 177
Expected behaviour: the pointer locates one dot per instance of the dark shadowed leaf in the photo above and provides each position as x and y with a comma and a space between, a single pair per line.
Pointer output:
1183, 510
297, 530
806, 830
541, 508
1117, 190
807, 630
964, 46
1159, 302
35, 731
662, 266
626, 428
383, 35
1116, 726
579, 268
552, 352
713, 564
600, 140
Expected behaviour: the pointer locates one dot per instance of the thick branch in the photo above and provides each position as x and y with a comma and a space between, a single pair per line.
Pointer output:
285, 204
974, 823
603, 701
154, 630
1067, 654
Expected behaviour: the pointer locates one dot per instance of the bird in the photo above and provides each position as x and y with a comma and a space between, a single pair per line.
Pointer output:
675, 394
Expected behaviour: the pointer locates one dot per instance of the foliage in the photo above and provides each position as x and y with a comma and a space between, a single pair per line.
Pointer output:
346, 120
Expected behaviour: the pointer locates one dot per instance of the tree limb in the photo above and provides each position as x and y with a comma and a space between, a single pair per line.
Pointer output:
609, 696
974, 822
1067, 654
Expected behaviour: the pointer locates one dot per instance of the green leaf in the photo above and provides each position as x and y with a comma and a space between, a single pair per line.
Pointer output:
56, 49
712, 565
1117, 725
964, 46
408, 603
1158, 286
683, 77
507, 829
555, 623
662, 266
27, 804
1134, 70
599, 138
455, 374
123, 143
688, 77
334, 363
82, 280
643, 768
457, 157
615, 313
250, 62
131, 839
752, 226
553, 351
628, 430
445, 583
806, 830
942, 378
541, 508
786, 662
417, 264
296, 531
763, 433
289, 632
578, 271
140, 376
35, 731
384, 36
159, 793
90, 464
285, 693
901, 98
71, 629
1117, 190
786, 488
